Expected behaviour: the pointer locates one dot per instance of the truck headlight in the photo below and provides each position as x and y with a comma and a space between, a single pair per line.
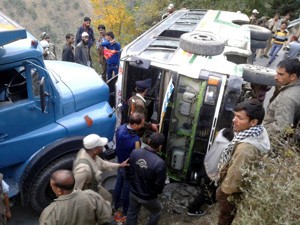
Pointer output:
211, 95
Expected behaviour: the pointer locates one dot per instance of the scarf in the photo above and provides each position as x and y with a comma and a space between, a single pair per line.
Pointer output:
239, 136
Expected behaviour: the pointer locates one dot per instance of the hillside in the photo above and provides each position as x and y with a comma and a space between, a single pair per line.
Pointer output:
57, 17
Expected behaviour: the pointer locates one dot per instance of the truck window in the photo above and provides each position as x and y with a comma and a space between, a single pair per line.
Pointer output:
13, 85
35, 82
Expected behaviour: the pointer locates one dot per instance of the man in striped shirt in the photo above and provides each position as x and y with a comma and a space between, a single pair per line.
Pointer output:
279, 39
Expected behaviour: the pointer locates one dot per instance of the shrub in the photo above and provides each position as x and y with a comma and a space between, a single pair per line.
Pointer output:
33, 13
274, 194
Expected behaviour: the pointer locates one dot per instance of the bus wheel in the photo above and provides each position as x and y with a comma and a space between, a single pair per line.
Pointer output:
255, 44
259, 74
259, 33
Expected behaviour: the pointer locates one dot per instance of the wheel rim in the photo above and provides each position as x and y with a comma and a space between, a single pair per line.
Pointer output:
203, 37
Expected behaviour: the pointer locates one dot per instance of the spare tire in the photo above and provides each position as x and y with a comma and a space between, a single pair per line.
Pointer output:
259, 74
202, 43
258, 33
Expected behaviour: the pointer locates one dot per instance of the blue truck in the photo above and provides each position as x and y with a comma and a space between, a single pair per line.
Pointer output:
46, 108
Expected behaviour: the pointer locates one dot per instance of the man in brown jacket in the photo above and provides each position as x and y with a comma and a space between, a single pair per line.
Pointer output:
250, 142
88, 166
74, 207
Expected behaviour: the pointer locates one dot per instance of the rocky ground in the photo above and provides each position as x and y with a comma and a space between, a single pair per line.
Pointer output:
175, 199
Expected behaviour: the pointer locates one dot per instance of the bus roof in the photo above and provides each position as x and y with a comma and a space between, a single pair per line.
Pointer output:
161, 42
10, 31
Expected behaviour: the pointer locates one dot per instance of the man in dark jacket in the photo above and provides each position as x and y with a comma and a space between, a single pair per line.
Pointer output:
127, 140
86, 27
82, 52
147, 174
68, 50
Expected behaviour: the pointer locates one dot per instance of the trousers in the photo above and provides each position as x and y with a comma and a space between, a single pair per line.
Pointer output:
122, 190
227, 209
135, 204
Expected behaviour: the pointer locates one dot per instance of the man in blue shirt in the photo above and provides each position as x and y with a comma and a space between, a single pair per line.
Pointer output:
112, 54
293, 49
127, 140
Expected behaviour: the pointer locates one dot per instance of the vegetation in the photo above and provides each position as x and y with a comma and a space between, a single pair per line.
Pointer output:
116, 17
274, 193
266, 7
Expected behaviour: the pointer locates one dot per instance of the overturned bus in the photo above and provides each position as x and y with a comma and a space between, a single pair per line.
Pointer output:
198, 61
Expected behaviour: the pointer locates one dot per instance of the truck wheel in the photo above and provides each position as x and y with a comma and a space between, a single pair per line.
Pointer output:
202, 43
255, 44
258, 33
41, 194
258, 74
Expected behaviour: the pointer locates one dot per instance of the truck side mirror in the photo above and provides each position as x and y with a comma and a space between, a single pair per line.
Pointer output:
43, 95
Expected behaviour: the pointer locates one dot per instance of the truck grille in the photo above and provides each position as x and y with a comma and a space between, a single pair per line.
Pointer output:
203, 128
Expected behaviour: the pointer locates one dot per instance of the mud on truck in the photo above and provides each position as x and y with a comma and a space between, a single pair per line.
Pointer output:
46, 107
199, 62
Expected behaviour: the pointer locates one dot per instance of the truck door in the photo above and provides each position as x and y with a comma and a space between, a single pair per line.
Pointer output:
23, 126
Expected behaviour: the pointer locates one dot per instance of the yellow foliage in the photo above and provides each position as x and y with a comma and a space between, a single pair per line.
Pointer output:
116, 17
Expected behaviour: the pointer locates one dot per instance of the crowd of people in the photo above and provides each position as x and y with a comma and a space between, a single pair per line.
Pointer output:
142, 172
77, 48
280, 38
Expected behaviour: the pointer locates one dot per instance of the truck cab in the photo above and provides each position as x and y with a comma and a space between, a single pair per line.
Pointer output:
46, 108
199, 64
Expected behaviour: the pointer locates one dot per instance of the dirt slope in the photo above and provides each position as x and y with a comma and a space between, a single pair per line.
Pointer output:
57, 17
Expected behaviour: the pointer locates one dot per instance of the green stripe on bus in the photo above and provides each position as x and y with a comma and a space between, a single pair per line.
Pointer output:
193, 58
224, 22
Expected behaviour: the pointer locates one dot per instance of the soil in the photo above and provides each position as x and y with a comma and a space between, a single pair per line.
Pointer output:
175, 199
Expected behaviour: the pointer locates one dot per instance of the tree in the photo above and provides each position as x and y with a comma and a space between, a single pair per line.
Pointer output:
284, 7
114, 14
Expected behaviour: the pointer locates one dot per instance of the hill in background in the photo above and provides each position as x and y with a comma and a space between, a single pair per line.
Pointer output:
57, 17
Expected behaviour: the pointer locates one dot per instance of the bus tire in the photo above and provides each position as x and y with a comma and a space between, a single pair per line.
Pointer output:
240, 22
202, 43
258, 33
41, 194
255, 44
259, 75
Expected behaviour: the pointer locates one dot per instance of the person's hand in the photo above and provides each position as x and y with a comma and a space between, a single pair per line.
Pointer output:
113, 41
8, 215
154, 127
124, 164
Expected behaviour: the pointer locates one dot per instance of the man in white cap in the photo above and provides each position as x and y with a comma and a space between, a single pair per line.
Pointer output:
82, 51
170, 10
253, 17
88, 166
